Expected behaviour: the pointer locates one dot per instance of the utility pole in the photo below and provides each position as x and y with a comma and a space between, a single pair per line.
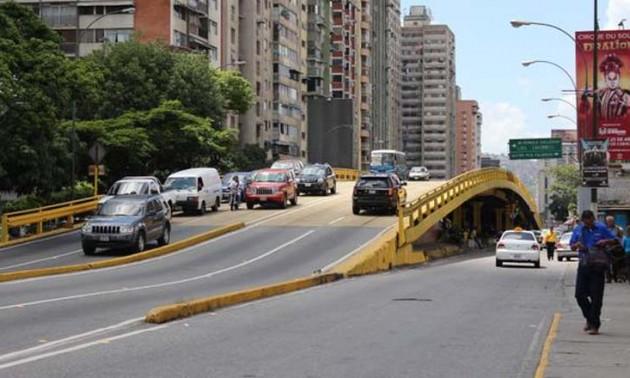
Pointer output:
595, 90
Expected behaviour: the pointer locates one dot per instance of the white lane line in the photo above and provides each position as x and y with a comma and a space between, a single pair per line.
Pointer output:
31, 262
336, 221
248, 227
531, 357
340, 260
79, 347
66, 340
163, 284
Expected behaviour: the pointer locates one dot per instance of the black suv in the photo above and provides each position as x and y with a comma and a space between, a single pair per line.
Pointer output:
317, 178
127, 222
377, 192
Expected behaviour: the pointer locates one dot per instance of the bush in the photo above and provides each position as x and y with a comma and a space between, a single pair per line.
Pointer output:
23, 203
82, 189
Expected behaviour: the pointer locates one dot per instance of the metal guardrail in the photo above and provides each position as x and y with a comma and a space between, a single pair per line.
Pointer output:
39, 216
440, 201
346, 174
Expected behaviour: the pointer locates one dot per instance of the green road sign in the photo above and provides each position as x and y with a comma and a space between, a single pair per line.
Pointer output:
541, 148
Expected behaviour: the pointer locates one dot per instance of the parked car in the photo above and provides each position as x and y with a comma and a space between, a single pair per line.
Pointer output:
243, 178
420, 174
518, 246
317, 178
195, 189
539, 237
138, 185
294, 165
378, 191
563, 248
129, 222
272, 186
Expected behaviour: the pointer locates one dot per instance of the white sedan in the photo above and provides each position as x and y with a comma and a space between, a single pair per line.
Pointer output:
419, 173
518, 246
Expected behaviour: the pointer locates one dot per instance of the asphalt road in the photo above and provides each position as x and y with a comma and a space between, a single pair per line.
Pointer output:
65, 249
458, 318
276, 245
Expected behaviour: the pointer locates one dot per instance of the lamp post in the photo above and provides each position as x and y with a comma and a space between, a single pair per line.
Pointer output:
549, 99
552, 116
530, 62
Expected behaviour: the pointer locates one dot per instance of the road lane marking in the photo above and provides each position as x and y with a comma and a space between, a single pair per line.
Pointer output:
551, 336
163, 284
69, 339
530, 356
80, 346
31, 262
248, 227
336, 221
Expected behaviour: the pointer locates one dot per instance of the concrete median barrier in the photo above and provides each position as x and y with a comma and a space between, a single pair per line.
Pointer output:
167, 313
160, 251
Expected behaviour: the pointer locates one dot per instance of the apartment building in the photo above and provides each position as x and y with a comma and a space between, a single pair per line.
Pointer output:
386, 77
428, 93
85, 25
318, 39
468, 136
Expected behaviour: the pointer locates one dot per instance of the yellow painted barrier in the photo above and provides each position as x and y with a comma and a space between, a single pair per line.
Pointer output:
163, 314
346, 174
39, 216
160, 251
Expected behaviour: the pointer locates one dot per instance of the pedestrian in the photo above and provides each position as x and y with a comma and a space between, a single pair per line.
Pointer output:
550, 240
626, 249
616, 252
235, 193
590, 281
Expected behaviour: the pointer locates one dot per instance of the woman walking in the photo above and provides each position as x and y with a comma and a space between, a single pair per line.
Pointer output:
550, 241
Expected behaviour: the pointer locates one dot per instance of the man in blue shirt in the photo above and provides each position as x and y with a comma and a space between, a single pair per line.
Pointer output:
589, 285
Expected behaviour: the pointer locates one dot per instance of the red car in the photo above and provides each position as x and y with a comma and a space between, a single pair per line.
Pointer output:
276, 186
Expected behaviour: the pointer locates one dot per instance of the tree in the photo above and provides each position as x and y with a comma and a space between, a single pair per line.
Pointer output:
238, 92
564, 190
35, 88
249, 157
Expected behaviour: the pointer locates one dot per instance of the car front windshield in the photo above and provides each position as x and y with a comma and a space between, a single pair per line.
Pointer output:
128, 187
180, 183
117, 208
313, 171
382, 159
270, 177
373, 183
518, 236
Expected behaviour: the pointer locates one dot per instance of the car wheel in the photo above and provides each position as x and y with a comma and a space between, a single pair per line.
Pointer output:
325, 191
250, 205
217, 203
294, 200
356, 210
560, 258
202, 210
166, 236
141, 242
283, 205
88, 250
499, 263
334, 189
537, 264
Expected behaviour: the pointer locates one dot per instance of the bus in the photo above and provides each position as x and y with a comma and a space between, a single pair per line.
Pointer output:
389, 161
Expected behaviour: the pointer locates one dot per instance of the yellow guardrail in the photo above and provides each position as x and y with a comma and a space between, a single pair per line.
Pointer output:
418, 216
347, 174
39, 216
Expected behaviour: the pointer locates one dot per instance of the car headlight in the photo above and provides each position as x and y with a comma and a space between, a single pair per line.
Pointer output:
127, 229
320, 180
87, 228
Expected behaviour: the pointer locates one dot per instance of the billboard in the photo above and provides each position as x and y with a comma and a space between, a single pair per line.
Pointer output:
595, 163
613, 69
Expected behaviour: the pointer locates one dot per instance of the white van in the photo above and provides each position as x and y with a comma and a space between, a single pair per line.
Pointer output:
195, 189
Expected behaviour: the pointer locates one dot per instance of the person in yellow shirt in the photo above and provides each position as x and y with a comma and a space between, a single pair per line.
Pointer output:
550, 240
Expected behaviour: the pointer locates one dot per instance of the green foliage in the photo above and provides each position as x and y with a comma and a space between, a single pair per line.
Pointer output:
249, 157
564, 190
238, 92
82, 189
23, 203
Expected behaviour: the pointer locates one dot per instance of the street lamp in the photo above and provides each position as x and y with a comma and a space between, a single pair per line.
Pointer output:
558, 99
530, 62
552, 116
517, 24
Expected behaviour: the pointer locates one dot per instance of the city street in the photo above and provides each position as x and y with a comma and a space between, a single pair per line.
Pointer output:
454, 318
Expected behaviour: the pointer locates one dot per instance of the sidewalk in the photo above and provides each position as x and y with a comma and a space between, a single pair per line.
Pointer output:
576, 354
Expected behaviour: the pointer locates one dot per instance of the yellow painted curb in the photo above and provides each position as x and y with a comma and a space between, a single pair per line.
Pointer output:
160, 251
544, 355
47, 234
167, 313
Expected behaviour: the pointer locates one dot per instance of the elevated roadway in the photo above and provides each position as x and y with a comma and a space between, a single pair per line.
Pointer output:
275, 245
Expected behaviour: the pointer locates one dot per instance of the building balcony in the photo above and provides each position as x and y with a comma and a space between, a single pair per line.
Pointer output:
199, 6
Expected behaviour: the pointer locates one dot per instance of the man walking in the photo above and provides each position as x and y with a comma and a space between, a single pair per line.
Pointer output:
589, 286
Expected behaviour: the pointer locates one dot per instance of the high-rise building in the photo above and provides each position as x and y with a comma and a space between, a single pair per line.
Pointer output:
467, 136
229, 33
366, 87
428, 93
386, 110
85, 25
256, 52
319, 27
